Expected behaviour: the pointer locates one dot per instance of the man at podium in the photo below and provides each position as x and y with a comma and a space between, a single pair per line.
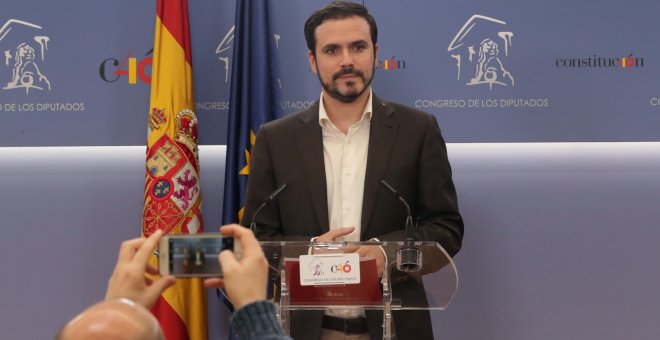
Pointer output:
331, 159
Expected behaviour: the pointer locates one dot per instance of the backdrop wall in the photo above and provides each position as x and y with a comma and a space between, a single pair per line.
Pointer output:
559, 236
491, 71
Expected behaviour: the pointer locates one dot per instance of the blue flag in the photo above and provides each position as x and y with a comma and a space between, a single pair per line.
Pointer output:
253, 99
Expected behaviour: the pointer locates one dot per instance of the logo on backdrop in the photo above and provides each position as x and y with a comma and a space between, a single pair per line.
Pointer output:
131, 67
391, 64
596, 61
24, 45
480, 49
223, 51
655, 101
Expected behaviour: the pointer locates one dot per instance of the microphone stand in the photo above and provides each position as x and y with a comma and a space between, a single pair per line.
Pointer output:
270, 198
272, 272
408, 257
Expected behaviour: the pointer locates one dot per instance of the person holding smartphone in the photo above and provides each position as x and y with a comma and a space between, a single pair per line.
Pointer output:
124, 314
244, 280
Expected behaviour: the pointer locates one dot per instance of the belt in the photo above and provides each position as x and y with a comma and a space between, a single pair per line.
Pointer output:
348, 326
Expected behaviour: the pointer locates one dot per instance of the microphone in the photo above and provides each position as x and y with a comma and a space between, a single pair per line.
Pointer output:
272, 255
409, 257
270, 198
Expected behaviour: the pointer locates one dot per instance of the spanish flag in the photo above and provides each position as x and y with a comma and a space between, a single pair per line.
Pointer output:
172, 199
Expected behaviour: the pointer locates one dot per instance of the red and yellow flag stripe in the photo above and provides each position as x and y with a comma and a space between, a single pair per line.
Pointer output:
172, 200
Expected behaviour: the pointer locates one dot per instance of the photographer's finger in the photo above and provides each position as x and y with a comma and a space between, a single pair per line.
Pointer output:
127, 250
146, 250
152, 270
156, 289
228, 229
248, 241
215, 282
227, 261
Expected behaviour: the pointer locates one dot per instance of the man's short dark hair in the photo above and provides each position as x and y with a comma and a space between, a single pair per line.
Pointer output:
334, 11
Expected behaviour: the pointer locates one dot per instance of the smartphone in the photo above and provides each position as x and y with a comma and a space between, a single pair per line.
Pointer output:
194, 255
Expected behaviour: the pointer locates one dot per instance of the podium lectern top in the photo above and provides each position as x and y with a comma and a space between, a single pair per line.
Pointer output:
430, 286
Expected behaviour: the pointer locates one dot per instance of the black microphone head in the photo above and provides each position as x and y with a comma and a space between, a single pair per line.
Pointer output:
388, 186
270, 198
276, 192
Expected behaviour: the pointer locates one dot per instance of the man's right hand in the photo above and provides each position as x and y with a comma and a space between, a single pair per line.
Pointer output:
333, 234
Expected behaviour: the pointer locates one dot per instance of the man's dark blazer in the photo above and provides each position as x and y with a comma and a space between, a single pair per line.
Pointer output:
405, 148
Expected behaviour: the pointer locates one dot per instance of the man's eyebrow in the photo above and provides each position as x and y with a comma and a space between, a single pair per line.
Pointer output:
357, 42
329, 46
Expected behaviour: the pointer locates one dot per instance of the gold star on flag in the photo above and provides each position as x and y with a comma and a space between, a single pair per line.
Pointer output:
248, 156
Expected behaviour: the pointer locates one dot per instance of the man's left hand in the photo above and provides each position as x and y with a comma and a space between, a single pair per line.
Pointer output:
373, 252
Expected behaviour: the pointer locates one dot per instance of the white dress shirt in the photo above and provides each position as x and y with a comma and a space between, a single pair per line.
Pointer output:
345, 159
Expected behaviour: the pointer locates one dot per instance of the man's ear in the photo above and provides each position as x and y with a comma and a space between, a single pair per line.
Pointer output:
376, 54
312, 61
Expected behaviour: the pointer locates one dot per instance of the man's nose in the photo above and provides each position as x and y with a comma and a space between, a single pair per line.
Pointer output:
346, 58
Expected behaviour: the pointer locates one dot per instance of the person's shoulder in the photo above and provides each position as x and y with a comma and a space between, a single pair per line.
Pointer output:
408, 112
293, 119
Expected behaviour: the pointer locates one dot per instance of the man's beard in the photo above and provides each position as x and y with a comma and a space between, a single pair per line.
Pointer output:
352, 94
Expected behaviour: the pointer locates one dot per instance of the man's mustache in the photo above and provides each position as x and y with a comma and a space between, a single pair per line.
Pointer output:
347, 70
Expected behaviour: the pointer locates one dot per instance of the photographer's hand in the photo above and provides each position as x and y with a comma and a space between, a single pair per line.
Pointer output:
244, 279
128, 279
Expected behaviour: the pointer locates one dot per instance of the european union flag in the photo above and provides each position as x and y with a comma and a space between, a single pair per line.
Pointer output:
253, 99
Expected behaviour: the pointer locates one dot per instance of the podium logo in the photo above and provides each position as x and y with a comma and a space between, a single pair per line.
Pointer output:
343, 267
316, 268
480, 49
24, 46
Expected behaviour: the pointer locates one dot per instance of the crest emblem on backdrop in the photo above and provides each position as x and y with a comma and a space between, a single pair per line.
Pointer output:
24, 49
480, 48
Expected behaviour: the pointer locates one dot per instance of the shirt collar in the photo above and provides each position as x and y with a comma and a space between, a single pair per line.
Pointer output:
324, 120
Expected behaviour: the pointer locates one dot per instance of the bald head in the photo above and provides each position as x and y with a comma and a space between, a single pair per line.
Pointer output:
119, 319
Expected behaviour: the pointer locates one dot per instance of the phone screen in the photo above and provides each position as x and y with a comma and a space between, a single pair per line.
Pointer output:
197, 256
